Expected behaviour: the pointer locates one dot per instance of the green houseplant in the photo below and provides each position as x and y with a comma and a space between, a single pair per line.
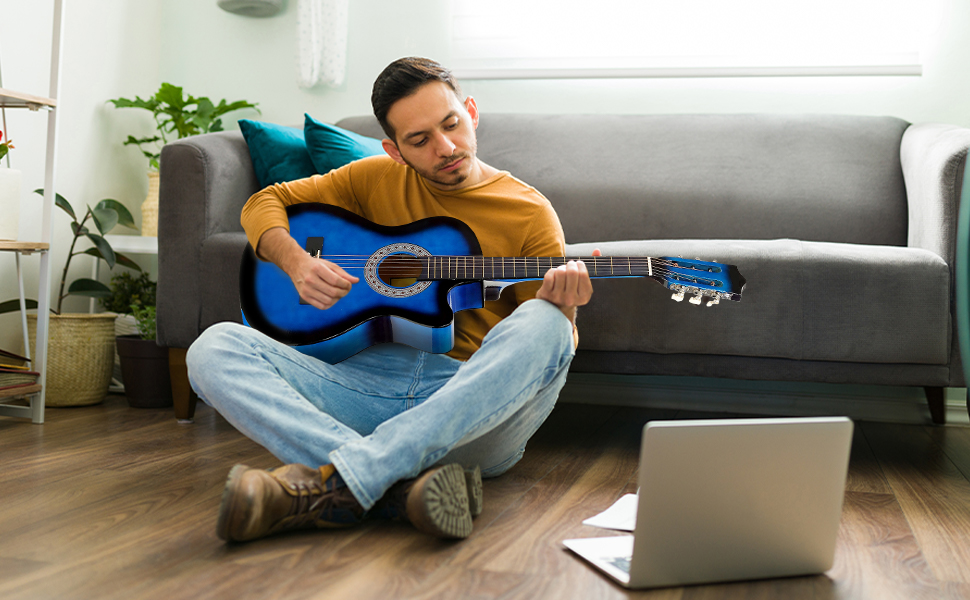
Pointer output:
144, 364
176, 116
81, 346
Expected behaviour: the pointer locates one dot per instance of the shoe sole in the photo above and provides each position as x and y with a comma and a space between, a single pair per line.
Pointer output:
227, 504
438, 503
473, 484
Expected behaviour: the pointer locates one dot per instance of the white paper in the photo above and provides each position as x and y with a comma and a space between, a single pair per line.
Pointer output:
622, 516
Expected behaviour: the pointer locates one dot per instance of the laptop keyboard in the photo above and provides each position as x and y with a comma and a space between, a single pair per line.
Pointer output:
620, 562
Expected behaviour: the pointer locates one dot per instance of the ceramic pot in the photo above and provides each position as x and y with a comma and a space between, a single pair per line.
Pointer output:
144, 369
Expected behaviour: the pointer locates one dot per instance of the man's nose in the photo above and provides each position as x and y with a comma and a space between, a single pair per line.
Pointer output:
444, 146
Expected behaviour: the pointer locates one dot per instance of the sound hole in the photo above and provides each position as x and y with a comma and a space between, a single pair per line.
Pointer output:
399, 270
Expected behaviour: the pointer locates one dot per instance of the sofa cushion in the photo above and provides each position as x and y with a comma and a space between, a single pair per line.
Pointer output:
279, 153
803, 300
331, 147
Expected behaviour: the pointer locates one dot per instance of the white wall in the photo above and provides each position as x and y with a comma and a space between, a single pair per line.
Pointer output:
125, 48
111, 48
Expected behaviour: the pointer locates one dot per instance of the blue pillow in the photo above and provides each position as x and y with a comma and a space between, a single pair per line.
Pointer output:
279, 153
331, 147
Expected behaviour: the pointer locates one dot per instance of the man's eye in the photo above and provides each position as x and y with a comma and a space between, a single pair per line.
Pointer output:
421, 143
452, 126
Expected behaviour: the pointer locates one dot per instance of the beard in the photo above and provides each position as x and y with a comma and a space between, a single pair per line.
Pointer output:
452, 178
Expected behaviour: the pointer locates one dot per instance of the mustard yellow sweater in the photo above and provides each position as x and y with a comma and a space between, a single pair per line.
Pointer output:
509, 217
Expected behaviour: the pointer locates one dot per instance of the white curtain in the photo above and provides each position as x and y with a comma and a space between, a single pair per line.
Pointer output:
322, 42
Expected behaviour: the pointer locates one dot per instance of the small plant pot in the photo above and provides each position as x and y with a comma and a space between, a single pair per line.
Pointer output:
144, 369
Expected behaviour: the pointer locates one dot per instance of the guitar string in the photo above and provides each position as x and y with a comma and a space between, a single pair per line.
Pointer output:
522, 263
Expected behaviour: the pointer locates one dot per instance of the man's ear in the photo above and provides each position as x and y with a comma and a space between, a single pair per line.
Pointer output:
392, 151
472, 109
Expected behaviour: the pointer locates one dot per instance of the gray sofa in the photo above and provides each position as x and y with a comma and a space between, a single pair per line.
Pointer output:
843, 226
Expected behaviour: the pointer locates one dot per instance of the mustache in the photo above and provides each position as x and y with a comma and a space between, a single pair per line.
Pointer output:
450, 160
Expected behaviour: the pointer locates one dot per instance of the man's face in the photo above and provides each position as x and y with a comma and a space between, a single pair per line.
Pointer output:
435, 134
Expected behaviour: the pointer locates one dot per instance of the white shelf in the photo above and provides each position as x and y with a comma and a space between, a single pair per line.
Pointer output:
133, 244
14, 99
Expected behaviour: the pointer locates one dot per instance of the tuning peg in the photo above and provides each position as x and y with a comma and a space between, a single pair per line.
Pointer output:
696, 299
678, 296
713, 301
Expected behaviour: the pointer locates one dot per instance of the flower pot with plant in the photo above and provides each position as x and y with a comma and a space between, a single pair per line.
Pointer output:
176, 117
144, 364
80, 351
9, 195
127, 290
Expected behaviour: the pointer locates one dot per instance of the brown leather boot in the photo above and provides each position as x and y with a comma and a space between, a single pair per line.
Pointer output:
437, 502
257, 503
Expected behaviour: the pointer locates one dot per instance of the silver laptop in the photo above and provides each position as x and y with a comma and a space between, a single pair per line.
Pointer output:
731, 499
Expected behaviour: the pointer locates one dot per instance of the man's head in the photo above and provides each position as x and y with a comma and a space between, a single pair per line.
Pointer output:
402, 78
429, 127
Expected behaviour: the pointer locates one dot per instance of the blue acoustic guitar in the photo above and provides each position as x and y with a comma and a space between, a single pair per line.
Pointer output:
415, 277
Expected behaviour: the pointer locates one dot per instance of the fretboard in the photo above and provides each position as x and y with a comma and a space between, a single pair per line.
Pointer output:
531, 267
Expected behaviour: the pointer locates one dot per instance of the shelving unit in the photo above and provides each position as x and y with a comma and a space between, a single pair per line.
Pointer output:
15, 99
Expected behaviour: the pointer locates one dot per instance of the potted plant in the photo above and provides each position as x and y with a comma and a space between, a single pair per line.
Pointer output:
9, 195
81, 346
127, 290
144, 364
175, 117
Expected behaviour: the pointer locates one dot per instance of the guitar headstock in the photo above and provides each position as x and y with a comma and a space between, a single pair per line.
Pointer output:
707, 282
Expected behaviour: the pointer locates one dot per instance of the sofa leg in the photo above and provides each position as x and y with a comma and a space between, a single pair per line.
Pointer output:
934, 397
182, 395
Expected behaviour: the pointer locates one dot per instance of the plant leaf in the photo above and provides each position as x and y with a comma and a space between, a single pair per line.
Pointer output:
124, 261
61, 202
104, 247
104, 218
170, 94
14, 305
124, 215
120, 258
89, 287
78, 229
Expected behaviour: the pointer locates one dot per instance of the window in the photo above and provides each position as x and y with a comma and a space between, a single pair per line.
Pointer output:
685, 38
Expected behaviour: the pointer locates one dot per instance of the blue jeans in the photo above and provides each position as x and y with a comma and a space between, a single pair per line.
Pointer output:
391, 411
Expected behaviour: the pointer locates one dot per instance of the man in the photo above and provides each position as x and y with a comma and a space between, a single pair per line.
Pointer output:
395, 431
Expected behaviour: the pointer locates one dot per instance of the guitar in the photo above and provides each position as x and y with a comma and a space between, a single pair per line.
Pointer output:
415, 277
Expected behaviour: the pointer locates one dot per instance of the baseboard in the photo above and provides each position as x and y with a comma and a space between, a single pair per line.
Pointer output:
891, 404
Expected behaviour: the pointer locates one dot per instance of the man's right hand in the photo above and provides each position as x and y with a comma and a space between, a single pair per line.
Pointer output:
319, 282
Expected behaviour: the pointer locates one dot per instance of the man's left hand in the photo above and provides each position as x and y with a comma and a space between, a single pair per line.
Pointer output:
567, 286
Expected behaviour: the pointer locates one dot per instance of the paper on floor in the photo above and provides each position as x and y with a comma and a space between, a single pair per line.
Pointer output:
622, 516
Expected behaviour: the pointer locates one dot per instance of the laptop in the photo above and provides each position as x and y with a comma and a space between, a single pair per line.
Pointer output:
730, 499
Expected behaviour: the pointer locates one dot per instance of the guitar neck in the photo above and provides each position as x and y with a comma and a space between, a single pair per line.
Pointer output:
533, 267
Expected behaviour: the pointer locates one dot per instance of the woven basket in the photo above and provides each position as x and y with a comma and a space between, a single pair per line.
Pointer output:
149, 208
80, 357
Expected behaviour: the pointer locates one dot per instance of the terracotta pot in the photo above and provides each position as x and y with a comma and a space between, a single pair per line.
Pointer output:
144, 369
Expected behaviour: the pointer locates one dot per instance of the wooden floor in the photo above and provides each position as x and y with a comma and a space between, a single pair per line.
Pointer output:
109, 502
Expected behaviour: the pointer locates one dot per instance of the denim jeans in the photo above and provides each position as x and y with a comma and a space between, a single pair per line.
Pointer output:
391, 411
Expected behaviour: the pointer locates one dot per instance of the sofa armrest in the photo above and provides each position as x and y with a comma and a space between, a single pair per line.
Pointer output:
933, 157
203, 184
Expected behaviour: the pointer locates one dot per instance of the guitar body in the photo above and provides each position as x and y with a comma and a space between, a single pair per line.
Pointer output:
420, 315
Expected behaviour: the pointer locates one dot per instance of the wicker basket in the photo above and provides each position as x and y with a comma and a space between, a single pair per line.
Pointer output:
149, 208
80, 357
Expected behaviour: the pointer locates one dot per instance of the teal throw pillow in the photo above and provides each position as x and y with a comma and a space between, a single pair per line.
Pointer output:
279, 153
331, 147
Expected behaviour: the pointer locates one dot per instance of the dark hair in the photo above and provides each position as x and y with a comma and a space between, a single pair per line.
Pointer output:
402, 78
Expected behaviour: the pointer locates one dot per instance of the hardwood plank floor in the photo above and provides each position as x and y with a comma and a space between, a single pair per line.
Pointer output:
109, 502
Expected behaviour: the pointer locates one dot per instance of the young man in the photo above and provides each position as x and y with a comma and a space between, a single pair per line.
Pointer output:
395, 431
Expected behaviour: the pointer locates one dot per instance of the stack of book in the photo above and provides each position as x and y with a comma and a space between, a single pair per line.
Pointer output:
15, 371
